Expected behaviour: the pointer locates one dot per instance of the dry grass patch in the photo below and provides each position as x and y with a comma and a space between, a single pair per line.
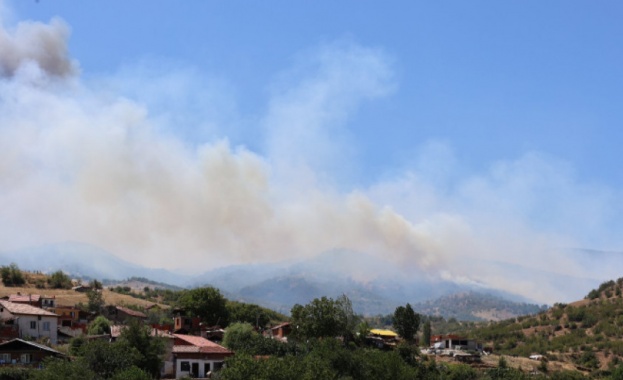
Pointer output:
68, 297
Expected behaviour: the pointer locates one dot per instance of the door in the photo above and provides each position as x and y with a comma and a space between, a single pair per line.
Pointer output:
195, 370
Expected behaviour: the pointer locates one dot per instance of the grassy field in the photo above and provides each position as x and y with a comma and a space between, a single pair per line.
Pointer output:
68, 297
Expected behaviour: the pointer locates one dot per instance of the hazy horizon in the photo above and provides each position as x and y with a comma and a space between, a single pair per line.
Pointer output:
464, 142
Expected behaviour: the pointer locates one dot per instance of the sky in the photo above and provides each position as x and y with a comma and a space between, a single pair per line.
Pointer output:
463, 139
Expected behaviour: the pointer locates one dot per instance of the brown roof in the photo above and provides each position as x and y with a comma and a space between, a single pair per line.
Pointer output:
24, 298
280, 326
20, 308
198, 344
17, 342
131, 312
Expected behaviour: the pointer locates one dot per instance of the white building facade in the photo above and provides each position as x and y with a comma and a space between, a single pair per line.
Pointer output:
33, 322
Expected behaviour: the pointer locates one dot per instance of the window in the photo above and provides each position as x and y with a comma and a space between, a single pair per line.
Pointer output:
46, 326
33, 325
185, 366
25, 358
5, 358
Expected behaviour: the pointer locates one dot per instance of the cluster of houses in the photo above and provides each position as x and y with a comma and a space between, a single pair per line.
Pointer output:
27, 321
31, 323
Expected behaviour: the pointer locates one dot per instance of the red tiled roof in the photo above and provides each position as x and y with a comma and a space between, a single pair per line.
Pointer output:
24, 298
198, 344
131, 312
20, 308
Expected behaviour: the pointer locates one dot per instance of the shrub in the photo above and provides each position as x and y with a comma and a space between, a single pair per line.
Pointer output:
59, 280
12, 275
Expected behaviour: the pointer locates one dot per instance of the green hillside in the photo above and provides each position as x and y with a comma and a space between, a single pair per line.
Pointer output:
586, 333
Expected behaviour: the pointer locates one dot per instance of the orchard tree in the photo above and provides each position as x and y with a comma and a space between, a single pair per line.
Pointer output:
206, 303
426, 334
96, 300
406, 322
323, 317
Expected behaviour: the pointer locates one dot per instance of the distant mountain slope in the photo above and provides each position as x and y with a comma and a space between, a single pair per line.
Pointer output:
374, 287
476, 306
83, 260
140, 283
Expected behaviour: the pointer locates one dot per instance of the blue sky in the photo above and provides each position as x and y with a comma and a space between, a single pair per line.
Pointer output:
493, 79
442, 131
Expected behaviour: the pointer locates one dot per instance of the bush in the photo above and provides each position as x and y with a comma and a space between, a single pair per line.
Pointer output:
132, 373
8, 373
59, 280
62, 369
12, 275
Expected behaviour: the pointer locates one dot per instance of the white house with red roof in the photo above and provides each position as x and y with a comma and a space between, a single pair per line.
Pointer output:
195, 356
32, 321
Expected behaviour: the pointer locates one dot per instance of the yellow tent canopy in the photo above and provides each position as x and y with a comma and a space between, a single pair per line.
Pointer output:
385, 333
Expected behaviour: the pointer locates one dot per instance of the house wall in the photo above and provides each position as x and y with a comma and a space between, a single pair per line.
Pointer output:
48, 302
15, 357
205, 365
67, 313
24, 323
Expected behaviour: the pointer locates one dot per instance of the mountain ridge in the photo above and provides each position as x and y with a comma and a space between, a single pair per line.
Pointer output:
373, 285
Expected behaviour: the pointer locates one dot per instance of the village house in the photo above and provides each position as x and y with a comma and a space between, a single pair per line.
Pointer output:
168, 361
31, 321
454, 342
186, 325
120, 314
25, 353
66, 334
70, 316
82, 288
48, 301
280, 332
27, 299
214, 334
196, 357
381, 338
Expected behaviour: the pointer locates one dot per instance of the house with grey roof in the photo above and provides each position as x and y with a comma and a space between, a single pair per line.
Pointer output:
32, 322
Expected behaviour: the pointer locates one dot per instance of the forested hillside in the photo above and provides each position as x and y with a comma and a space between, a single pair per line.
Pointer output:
476, 306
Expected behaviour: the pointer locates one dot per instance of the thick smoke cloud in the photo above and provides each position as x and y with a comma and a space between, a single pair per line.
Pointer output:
44, 45
77, 164
80, 166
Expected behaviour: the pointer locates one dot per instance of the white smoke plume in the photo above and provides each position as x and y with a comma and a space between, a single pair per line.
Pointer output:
80, 165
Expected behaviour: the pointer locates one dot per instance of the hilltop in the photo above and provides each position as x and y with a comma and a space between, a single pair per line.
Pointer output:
67, 297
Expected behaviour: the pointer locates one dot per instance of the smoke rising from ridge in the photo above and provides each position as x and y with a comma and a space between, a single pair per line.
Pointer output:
79, 165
